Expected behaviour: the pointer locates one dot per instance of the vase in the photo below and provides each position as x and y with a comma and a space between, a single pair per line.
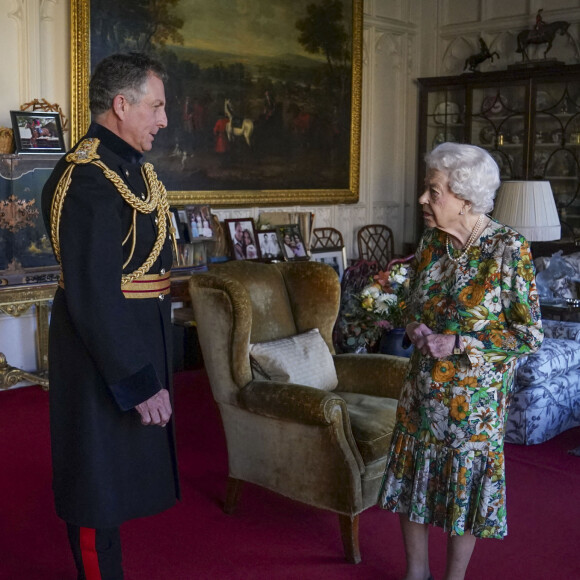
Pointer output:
392, 343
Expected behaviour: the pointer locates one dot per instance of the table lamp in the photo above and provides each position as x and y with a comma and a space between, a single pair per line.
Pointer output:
529, 208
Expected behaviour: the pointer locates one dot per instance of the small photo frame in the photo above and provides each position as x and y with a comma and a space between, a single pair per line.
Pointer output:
291, 242
181, 224
243, 239
270, 248
37, 132
335, 257
199, 222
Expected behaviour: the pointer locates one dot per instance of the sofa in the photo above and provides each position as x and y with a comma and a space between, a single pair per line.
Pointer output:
546, 391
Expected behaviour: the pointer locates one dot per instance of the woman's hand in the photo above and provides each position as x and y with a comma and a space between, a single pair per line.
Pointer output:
429, 343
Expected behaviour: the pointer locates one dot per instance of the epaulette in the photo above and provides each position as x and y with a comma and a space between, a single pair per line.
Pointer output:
86, 152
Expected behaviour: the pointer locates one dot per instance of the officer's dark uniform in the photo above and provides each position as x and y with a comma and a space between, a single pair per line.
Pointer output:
109, 346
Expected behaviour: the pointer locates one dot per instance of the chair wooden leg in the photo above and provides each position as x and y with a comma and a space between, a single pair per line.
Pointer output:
349, 534
233, 491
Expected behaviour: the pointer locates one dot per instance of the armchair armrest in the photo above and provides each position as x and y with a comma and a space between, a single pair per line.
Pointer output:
380, 375
292, 402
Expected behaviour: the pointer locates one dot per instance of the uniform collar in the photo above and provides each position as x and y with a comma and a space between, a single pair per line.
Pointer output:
115, 143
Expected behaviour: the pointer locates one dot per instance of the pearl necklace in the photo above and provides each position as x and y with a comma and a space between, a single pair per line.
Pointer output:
470, 241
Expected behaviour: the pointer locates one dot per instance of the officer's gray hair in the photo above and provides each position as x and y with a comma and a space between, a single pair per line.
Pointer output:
472, 172
122, 74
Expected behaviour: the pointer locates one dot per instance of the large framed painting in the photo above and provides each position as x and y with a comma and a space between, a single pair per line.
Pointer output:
263, 97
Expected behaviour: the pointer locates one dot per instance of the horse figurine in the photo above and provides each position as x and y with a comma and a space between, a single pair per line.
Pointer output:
237, 127
473, 61
543, 35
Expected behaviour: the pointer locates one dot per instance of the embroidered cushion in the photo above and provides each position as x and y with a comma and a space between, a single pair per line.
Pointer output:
555, 358
303, 359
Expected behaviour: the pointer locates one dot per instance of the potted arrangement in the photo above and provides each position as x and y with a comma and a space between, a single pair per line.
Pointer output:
377, 314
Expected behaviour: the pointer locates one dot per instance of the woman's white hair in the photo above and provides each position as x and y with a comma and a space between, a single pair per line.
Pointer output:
472, 172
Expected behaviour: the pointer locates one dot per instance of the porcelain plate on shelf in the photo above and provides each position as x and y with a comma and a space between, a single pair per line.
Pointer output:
543, 100
446, 112
493, 105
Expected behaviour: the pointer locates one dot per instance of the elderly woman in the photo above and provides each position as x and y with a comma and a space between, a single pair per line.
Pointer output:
476, 310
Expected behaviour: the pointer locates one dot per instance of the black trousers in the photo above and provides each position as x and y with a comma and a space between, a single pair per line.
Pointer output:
97, 552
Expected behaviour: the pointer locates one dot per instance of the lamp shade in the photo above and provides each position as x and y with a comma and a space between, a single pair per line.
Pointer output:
529, 208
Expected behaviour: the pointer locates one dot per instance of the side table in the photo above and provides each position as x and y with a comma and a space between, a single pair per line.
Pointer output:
14, 301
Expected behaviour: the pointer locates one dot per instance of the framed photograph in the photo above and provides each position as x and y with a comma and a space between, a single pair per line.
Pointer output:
263, 107
269, 246
183, 225
243, 239
199, 222
291, 242
335, 257
37, 132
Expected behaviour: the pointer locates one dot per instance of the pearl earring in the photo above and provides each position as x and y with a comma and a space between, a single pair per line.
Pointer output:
462, 211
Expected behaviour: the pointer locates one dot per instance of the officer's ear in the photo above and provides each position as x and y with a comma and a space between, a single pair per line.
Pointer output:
120, 105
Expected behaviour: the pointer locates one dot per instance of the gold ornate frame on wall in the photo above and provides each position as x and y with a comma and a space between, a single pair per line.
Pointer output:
80, 118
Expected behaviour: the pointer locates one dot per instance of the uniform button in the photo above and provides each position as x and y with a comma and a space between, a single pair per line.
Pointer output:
156, 221
127, 172
162, 271
142, 196
161, 296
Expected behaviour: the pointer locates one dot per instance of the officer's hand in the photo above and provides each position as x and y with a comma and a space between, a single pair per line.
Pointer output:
155, 410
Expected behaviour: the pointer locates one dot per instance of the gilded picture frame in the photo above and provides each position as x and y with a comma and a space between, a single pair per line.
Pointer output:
311, 156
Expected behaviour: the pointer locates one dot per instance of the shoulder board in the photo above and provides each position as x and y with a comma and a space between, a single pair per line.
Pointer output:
86, 152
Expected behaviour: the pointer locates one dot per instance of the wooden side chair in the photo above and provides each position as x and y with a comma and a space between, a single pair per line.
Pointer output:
376, 244
326, 238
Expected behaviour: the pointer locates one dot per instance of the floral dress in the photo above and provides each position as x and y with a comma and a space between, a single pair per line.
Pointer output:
446, 463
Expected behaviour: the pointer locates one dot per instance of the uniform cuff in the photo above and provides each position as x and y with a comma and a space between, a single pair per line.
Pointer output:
136, 388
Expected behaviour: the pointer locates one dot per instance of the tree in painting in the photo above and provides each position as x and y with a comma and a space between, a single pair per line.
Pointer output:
140, 25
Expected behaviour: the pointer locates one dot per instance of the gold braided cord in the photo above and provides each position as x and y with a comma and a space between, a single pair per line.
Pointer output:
156, 200
56, 209
154, 189
132, 230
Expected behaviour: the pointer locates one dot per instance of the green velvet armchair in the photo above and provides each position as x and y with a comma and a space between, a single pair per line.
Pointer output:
323, 448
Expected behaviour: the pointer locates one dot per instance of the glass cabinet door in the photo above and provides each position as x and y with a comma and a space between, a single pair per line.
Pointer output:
499, 124
556, 148
445, 117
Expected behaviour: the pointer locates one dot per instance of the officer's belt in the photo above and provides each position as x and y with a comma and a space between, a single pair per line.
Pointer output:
147, 286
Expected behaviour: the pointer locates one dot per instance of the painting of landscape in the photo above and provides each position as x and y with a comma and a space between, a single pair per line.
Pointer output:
259, 95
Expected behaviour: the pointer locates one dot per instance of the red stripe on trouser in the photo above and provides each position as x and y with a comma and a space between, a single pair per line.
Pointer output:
89, 553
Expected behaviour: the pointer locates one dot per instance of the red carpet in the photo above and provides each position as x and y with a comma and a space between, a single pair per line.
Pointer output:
269, 537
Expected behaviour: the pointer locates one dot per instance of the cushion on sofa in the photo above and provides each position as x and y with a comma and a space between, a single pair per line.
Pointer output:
556, 357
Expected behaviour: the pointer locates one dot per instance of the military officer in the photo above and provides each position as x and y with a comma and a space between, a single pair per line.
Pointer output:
113, 448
